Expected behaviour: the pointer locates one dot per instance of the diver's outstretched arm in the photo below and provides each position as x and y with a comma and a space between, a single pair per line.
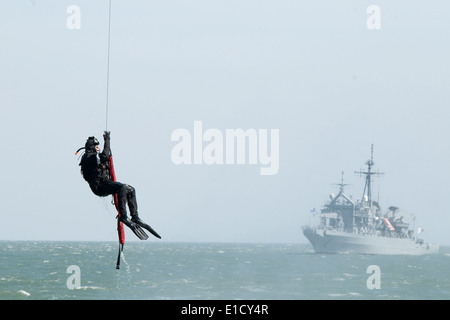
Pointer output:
107, 146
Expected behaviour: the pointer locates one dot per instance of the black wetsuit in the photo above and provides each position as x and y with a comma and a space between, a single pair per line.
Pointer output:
95, 170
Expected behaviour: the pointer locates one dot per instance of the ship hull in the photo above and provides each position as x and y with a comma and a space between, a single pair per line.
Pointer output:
330, 241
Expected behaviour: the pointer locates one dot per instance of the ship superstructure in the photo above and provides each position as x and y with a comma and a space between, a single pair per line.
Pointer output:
361, 226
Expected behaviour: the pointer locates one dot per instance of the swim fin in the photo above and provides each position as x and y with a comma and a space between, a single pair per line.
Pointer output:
141, 223
137, 230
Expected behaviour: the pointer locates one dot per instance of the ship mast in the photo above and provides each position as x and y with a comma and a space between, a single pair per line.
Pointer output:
368, 186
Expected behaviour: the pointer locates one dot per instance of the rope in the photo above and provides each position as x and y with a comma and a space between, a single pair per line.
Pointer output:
107, 69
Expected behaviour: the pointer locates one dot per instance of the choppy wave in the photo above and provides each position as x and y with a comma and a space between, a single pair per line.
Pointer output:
39, 270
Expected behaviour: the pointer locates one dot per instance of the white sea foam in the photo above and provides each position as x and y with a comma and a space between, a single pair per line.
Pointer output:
27, 294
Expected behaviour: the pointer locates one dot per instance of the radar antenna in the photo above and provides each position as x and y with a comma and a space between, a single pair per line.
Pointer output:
367, 194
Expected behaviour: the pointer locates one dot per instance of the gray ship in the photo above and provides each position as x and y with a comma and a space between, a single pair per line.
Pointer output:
348, 226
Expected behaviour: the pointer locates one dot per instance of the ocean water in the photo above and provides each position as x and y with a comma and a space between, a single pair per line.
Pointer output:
213, 271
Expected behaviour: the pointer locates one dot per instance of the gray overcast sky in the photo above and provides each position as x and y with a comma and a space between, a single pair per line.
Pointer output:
311, 69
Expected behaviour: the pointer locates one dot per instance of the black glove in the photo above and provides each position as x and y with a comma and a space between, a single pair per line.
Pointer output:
106, 135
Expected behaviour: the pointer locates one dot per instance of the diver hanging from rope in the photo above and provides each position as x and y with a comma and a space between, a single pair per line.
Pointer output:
96, 170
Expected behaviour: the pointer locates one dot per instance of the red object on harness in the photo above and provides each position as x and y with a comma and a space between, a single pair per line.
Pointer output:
120, 229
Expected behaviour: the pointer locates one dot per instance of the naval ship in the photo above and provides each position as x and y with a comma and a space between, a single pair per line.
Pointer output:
362, 227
